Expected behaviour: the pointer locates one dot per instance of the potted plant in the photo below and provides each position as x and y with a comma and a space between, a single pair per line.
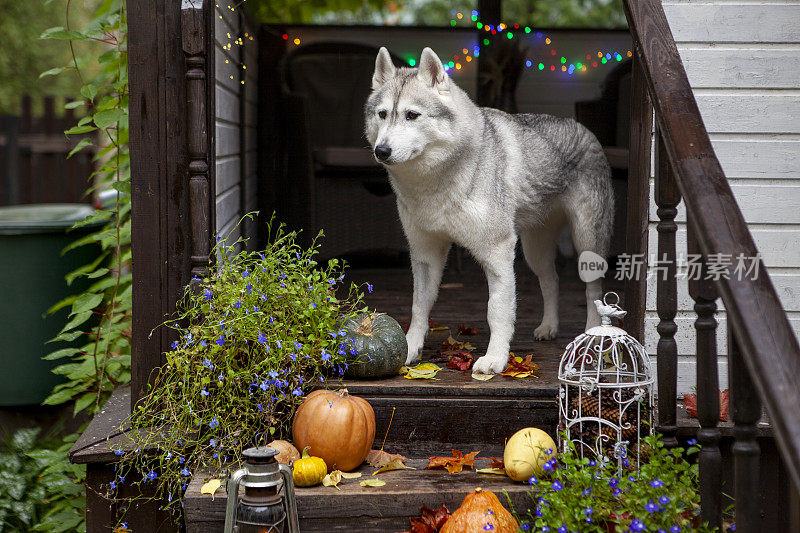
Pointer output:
255, 335
580, 494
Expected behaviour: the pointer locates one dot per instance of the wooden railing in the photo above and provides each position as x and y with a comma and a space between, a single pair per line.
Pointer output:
763, 352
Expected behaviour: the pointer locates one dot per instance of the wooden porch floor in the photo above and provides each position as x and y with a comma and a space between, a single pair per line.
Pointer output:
463, 300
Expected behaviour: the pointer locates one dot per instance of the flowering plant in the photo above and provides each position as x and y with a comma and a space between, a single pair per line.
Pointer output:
582, 495
254, 336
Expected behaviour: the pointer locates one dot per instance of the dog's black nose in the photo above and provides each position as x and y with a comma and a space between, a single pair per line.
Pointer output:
382, 152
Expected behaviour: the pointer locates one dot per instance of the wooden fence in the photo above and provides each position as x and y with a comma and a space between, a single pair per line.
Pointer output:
33, 158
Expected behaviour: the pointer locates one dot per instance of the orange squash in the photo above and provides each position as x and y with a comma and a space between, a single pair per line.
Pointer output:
337, 427
478, 509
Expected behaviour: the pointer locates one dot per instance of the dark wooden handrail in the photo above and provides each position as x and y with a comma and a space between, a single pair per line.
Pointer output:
761, 328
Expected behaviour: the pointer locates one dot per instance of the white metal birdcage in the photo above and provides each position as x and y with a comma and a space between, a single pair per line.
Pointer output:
605, 390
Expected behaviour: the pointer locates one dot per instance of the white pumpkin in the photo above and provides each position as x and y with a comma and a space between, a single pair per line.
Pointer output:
526, 453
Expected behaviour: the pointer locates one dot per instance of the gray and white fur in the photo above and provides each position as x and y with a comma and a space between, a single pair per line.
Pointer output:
483, 178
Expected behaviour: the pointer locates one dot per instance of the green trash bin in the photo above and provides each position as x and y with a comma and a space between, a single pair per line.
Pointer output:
32, 270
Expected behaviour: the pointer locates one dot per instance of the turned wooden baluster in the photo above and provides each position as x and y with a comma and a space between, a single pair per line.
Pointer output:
193, 44
746, 410
667, 198
705, 295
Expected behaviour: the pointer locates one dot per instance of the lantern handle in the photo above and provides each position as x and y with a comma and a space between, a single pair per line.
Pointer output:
291, 504
233, 497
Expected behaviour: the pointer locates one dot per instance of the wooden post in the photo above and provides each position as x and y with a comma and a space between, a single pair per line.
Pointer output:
746, 410
667, 198
638, 197
704, 295
490, 12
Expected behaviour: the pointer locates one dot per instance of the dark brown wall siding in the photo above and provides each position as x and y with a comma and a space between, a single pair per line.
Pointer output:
235, 121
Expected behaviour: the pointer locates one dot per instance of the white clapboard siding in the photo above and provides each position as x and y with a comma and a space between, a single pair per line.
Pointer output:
742, 58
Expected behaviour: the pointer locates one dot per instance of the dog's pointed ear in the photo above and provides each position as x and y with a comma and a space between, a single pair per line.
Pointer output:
432, 72
384, 68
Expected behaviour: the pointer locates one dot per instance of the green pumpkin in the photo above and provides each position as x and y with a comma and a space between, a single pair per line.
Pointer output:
380, 343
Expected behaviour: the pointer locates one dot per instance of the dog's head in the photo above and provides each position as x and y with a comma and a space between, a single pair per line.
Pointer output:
410, 111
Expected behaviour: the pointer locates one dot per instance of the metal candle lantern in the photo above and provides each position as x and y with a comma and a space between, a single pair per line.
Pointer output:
605, 390
267, 505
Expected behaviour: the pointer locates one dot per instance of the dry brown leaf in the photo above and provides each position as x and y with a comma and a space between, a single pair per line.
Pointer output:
519, 367
496, 462
429, 521
453, 464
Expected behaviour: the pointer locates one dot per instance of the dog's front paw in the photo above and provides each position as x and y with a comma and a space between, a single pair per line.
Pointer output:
545, 332
489, 365
413, 356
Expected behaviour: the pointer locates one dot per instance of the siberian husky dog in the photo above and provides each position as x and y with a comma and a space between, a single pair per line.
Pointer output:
483, 178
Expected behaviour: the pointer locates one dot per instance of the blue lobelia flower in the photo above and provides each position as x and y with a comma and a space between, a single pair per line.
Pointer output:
249, 288
208, 364
203, 344
588, 511
656, 483
617, 491
313, 305
174, 344
185, 472
238, 304
325, 355
369, 287
151, 475
562, 529
488, 527
525, 526
297, 392
557, 485
260, 407
664, 500
119, 452
214, 423
650, 507
245, 274
637, 525
204, 392
532, 480
675, 528
221, 341
112, 484
207, 294
691, 442
273, 374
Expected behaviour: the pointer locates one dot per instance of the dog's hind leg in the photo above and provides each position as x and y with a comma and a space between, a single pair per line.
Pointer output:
428, 257
539, 248
498, 264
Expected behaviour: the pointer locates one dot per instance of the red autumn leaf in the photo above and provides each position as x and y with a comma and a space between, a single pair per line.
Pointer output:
496, 462
459, 359
435, 326
518, 366
453, 464
469, 331
690, 401
429, 521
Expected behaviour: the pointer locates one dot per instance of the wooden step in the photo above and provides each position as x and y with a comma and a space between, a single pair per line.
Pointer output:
456, 411
357, 509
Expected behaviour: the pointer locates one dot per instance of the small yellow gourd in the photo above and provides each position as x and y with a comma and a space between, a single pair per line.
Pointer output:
308, 470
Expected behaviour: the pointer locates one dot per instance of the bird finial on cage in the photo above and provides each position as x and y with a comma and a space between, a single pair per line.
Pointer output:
608, 310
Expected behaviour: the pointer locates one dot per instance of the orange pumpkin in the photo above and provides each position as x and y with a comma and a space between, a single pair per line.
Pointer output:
478, 509
336, 426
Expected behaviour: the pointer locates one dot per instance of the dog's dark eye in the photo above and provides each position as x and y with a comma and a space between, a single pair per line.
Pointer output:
382, 114
411, 115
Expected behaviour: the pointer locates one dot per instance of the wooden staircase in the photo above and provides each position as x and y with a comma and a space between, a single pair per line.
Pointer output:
430, 418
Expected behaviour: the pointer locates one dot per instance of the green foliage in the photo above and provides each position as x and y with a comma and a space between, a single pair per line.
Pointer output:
553, 13
22, 58
256, 334
101, 315
39, 490
578, 494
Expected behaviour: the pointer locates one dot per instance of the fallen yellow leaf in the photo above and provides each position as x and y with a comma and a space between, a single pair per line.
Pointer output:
495, 471
482, 377
332, 479
423, 371
373, 483
210, 487
351, 475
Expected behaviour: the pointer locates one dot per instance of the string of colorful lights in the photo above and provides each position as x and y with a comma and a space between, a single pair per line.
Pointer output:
554, 63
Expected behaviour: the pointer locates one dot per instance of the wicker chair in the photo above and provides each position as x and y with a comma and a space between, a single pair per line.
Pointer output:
331, 181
